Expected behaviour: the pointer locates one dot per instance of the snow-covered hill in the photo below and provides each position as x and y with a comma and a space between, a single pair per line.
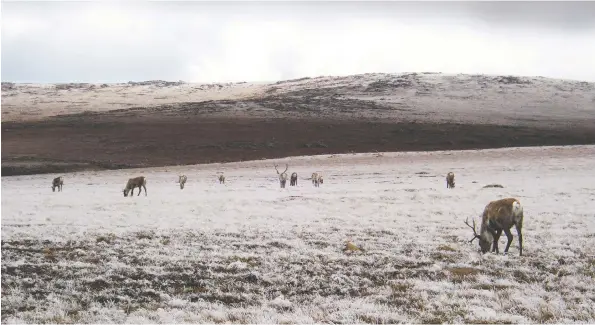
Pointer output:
412, 96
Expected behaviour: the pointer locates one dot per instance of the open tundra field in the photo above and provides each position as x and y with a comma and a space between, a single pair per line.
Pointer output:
250, 252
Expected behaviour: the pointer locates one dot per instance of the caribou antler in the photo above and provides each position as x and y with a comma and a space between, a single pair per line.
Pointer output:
286, 168
475, 235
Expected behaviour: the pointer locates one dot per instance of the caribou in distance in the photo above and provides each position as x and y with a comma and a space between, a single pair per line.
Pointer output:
181, 179
450, 180
293, 180
58, 182
317, 179
133, 183
282, 176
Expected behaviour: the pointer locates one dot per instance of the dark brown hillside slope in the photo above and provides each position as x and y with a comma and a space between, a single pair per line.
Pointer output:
106, 141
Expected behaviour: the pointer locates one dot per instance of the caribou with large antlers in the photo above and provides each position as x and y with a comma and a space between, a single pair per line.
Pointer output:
58, 182
293, 179
282, 176
498, 216
133, 183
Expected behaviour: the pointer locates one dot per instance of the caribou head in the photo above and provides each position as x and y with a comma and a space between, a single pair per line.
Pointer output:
484, 243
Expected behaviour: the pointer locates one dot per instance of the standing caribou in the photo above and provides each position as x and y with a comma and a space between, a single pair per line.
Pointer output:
498, 216
317, 179
293, 179
133, 183
282, 176
182, 180
450, 180
58, 182
221, 179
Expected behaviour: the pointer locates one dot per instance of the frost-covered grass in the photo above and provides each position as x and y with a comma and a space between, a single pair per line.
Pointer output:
250, 252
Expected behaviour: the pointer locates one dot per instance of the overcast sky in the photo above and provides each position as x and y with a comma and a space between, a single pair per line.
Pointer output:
268, 41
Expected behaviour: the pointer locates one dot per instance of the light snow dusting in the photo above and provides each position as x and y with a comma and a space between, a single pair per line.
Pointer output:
249, 252
439, 97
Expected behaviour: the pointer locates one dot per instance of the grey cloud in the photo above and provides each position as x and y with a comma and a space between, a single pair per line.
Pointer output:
540, 14
182, 40
546, 14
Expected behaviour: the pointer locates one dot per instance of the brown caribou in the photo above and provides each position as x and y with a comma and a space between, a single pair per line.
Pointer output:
293, 180
132, 183
498, 216
282, 176
450, 180
58, 182
182, 180
317, 179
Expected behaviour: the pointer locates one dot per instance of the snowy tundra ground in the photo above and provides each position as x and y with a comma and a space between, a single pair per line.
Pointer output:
250, 252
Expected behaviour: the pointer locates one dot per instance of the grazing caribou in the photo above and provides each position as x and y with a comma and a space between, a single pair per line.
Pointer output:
293, 179
317, 179
498, 216
221, 179
450, 180
182, 180
132, 183
58, 182
282, 176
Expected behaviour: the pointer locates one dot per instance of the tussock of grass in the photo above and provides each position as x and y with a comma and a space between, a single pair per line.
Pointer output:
493, 186
401, 287
446, 248
463, 271
486, 286
108, 238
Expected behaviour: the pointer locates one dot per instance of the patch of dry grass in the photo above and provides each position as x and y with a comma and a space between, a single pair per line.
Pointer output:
493, 186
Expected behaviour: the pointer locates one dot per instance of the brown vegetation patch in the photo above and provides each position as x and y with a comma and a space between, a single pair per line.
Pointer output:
493, 186
491, 287
446, 248
460, 274
136, 139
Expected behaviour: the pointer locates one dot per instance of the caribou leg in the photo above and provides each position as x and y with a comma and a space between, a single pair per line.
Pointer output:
519, 229
496, 238
509, 237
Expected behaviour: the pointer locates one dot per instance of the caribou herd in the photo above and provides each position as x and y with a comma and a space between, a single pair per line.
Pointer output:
498, 216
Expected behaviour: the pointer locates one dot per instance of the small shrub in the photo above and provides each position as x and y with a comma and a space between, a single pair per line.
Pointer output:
145, 235
460, 274
446, 248
108, 238
401, 287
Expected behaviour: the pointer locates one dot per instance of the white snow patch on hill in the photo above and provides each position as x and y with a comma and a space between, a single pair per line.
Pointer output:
435, 96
